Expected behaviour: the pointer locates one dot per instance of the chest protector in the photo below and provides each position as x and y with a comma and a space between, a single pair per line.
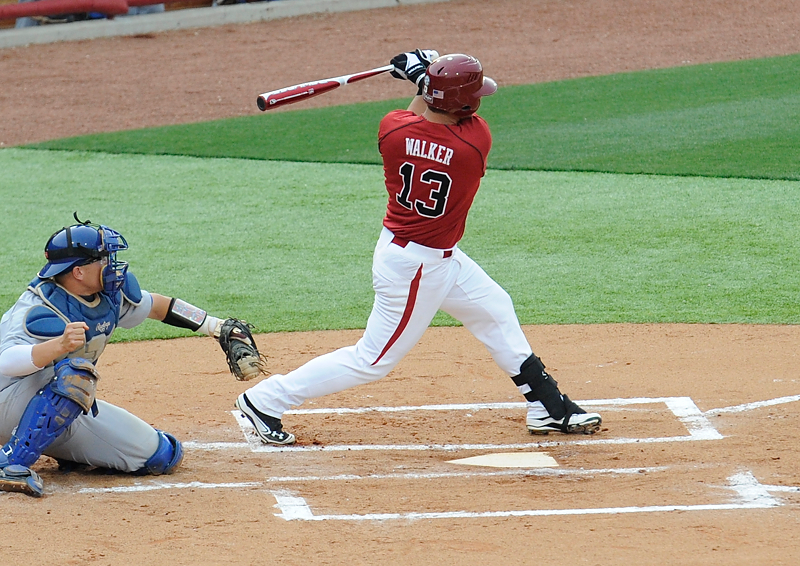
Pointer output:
47, 321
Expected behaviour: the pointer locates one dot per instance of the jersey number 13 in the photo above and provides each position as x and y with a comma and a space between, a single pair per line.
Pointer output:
439, 184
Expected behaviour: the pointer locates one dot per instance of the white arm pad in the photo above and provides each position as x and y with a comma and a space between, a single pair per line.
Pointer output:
16, 361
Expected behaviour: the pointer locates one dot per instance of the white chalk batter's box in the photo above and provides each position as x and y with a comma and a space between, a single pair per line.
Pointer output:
744, 490
737, 490
685, 413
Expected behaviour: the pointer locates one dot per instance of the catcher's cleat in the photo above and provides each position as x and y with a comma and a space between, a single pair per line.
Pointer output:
15, 477
578, 423
269, 429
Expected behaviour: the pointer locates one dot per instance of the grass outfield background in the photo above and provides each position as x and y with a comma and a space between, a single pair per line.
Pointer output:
721, 120
250, 227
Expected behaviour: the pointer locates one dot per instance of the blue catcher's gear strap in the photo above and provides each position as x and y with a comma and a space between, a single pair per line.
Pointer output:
52, 410
167, 457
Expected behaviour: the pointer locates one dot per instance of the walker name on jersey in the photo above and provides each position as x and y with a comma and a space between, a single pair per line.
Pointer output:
428, 150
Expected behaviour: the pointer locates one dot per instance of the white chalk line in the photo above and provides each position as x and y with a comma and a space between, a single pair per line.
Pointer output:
698, 426
255, 445
473, 406
155, 485
784, 488
609, 403
755, 405
471, 474
751, 495
701, 428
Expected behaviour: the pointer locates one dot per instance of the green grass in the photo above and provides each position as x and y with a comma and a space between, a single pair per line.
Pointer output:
288, 245
739, 119
723, 120
660, 196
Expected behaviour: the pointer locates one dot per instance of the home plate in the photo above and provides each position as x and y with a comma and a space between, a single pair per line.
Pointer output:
510, 460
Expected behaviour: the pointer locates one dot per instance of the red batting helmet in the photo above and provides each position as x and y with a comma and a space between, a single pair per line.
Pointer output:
455, 84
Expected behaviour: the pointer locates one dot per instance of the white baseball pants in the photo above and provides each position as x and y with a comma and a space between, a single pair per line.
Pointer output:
411, 284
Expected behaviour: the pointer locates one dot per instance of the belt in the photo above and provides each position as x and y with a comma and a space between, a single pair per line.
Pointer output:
403, 243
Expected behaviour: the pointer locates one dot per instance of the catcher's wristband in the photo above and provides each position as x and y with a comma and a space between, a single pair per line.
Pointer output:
184, 315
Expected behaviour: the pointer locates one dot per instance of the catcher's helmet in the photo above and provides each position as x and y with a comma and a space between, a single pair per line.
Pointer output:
455, 83
81, 244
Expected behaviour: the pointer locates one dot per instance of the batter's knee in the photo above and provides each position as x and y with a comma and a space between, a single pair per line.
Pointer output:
166, 458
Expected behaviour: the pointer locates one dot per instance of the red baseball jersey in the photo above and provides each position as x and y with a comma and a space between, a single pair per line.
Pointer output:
432, 173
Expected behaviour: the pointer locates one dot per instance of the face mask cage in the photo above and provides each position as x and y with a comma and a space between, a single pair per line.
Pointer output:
113, 274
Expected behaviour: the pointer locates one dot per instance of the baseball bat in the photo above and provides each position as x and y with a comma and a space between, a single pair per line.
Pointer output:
303, 91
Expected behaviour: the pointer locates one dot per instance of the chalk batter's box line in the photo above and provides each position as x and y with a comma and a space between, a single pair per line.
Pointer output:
684, 409
160, 484
749, 494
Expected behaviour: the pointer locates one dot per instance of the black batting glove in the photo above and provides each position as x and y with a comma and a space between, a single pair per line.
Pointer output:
412, 64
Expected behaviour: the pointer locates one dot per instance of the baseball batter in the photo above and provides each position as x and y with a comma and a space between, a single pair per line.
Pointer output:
434, 156
50, 341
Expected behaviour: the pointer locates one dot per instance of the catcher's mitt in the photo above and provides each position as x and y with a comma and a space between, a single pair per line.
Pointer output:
236, 340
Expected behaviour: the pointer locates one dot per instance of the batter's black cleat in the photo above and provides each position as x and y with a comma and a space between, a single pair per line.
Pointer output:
574, 421
269, 429
19, 478
577, 420
585, 423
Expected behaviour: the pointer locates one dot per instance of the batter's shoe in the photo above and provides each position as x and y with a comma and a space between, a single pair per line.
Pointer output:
269, 429
578, 422
19, 478
587, 423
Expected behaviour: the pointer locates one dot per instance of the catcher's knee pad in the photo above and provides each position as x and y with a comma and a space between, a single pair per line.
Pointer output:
538, 385
76, 379
166, 458
52, 410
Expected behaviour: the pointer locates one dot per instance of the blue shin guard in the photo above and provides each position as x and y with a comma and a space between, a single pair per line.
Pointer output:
46, 418
167, 457
51, 411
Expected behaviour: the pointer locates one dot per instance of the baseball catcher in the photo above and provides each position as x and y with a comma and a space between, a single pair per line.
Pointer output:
50, 342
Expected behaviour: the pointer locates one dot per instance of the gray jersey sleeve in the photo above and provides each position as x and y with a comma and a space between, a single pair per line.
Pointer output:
12, 331
12, 325
131, 315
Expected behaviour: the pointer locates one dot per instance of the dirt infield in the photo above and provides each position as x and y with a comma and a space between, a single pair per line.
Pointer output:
697, 462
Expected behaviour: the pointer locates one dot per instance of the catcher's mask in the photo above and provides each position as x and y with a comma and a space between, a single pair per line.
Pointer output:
455, 83
81, 244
